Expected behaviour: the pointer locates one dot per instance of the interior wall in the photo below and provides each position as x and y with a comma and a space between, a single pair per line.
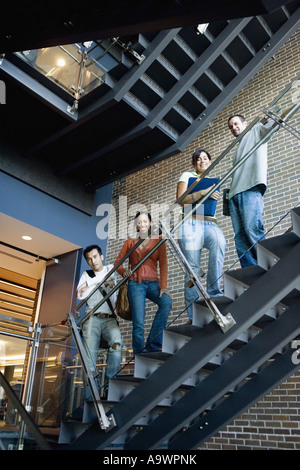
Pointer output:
25, 203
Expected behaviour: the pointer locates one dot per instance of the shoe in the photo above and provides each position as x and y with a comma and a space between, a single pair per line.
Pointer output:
188, 322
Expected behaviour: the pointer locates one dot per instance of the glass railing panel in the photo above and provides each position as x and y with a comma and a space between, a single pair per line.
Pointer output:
55, 382
60, 380
13, 354
68, 66
17, 431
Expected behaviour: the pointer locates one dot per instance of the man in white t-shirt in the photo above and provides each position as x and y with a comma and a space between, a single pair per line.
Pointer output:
102, 324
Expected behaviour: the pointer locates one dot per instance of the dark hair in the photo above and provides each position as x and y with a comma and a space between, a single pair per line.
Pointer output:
141, 213
242, 118
196, 155
90, 248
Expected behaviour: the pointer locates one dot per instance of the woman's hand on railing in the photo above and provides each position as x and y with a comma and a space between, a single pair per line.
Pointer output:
127, 273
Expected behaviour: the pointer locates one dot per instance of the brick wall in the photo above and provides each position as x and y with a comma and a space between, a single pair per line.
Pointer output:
272, 424
157, 185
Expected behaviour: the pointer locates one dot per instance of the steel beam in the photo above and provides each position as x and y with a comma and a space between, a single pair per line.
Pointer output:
230, 374
230, 91
277, 372
196, 70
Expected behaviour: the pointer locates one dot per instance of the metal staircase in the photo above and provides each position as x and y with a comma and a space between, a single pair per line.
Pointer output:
204, 378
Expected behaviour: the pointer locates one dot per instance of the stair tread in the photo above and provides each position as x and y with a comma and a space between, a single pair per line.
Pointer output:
159, 355
246, 275
185, 330
127, 378
281, 244
133, 379
221, 301
296, 210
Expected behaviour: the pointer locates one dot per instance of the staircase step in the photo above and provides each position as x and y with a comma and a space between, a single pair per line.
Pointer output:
237, 281
271, 250
89, 413
175, 337
296, 220
122, 385
71, 430
146, 363
201, 313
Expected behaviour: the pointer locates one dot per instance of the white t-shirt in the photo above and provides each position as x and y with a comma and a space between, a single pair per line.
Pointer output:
97, 296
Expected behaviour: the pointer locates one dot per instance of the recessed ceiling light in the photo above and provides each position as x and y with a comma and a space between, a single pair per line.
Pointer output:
61, 63
26, 237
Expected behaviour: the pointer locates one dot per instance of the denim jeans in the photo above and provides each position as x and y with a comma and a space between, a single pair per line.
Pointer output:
137, 294
93, 330
195, 234
246, 211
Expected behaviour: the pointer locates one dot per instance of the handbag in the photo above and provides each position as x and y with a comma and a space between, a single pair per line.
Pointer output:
122, 303
226, 210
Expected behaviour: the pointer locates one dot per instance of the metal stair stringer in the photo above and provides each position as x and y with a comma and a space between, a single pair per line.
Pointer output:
230, 374
251, 392
274, 285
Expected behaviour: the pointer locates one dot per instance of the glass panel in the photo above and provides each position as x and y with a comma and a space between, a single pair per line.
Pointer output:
13, 353
72, 67
58, 390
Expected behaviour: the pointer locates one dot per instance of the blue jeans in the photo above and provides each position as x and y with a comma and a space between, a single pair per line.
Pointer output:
93, 330
246, 211
195, 234
137, 294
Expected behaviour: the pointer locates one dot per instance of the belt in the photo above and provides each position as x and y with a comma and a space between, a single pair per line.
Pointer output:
201, 217
104, 315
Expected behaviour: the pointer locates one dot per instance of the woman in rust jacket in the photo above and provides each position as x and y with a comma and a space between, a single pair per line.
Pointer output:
145, 283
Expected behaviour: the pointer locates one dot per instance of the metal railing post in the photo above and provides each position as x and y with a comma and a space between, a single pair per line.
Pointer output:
225, 323
35, 343
106, 422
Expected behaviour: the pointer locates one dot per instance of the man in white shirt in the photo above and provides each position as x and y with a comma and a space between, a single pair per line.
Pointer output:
102, 323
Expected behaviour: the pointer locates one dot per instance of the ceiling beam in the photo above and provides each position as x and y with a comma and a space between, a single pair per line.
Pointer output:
245, 75
196, 70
